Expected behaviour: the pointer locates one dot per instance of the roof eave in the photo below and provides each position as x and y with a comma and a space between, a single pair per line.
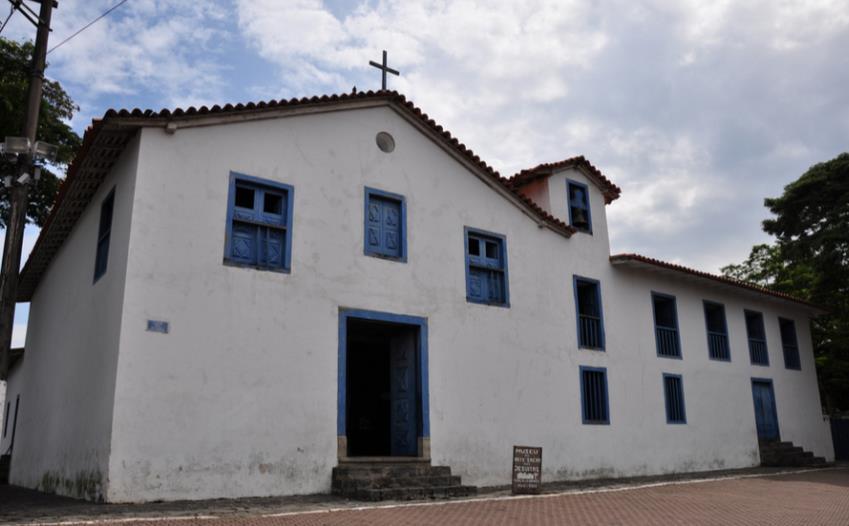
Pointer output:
643, 263
608, 189
92, 166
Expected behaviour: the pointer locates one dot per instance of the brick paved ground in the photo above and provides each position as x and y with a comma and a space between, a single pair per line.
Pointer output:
805, 498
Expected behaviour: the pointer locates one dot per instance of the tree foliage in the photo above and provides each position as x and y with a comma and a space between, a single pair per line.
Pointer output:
56, 109
810, 259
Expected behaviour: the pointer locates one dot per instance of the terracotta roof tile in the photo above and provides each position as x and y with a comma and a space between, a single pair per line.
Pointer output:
622, 258
64, 214
611, 191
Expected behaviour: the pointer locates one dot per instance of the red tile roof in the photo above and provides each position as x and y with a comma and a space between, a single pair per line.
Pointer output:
610, 191
626, 258
105, 139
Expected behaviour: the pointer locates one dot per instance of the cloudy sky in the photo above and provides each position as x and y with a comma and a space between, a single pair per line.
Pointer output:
697, 109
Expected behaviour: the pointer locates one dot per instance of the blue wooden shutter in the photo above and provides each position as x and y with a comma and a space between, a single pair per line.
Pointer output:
391, 228
259, 229
374, 222
478, 281
487, 270
384, 226
403, 408
245, 230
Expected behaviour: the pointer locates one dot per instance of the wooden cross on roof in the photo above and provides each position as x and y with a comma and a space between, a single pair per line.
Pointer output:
384, 69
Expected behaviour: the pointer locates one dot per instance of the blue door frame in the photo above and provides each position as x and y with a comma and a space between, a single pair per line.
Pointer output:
423, 431
766, 416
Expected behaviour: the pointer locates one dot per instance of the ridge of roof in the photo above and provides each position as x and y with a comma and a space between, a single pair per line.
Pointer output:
714, 277
610, 191
103, 143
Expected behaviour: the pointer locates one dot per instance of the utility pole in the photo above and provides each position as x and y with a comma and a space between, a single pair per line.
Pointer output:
18, 197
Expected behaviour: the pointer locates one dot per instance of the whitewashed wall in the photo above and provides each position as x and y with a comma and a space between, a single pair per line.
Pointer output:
68, 370
240, 397
10, 390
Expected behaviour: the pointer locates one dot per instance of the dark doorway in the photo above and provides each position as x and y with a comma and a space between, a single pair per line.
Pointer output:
382, 394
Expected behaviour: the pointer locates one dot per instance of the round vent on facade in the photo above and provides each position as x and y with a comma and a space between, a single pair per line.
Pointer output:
385, 142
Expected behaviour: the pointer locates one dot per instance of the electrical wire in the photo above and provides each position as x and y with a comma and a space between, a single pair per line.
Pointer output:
114, 7
11, 12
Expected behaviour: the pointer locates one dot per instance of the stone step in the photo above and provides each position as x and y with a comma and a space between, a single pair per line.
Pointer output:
415, 493
379, 480
345, 486
786, 454
412, 469
788, 457
782, 449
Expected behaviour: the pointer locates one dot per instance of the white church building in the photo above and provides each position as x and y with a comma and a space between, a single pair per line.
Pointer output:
233, 301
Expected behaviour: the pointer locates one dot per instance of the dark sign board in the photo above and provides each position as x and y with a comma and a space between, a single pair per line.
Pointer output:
527, 469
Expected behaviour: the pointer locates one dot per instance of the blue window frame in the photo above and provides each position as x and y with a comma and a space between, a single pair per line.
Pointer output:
588, 313
717, 331
259, 224
789, 344
385, 225
578, 196
104, 233
757, 338
666, 335
673, 394
486, 268
594, 399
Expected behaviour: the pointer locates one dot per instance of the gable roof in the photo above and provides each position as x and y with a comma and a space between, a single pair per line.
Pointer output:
637, 261
609, 190
105, 139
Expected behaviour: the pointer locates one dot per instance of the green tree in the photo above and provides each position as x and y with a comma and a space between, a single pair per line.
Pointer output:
56, 109
810, 259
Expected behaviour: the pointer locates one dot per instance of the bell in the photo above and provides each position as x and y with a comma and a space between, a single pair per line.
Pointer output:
579, 216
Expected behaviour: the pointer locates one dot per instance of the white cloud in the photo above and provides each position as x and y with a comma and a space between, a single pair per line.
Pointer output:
486, 42
783, 25
161, 46
697, 109
677, 102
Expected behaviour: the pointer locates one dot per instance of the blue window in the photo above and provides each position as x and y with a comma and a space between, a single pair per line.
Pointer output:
579, 206
104, 232
486, 268
259, 224
717, 332
789, 344
666, 325
757, 338
588, 312
673, 392
594, 403
385, 225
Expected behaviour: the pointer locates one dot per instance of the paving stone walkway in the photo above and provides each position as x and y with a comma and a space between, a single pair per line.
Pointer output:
818, 497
